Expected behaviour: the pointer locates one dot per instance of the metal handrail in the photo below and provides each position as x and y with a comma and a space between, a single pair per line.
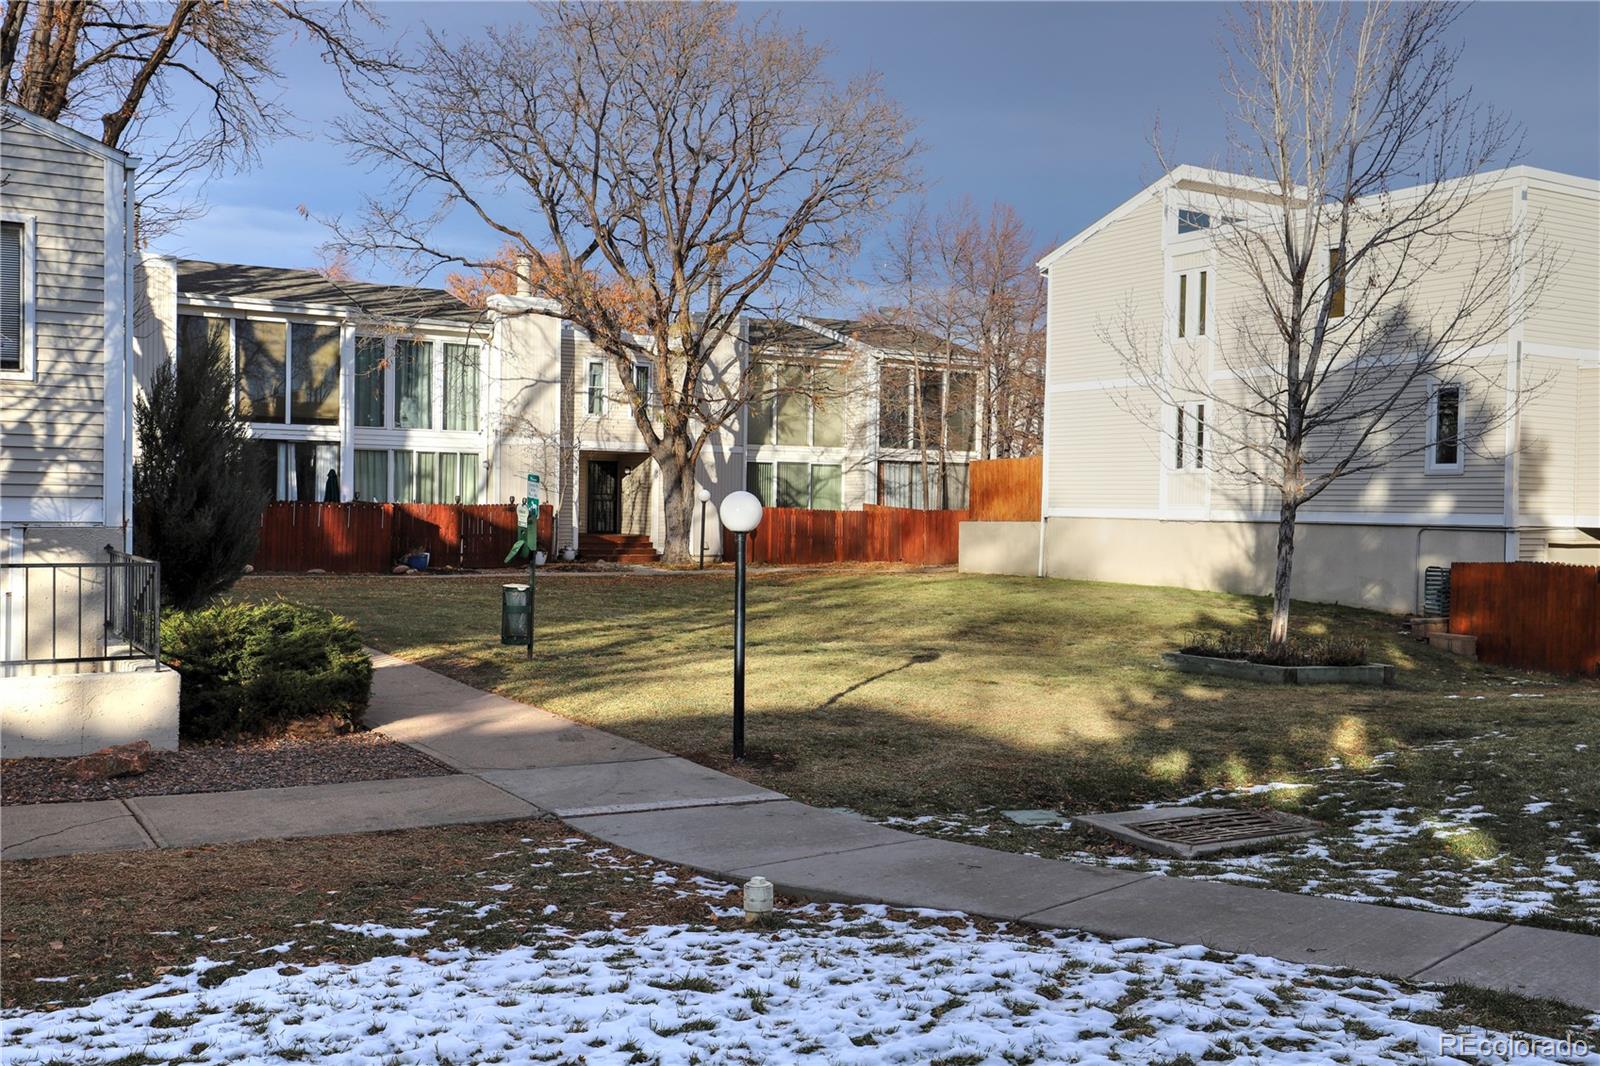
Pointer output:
128, 626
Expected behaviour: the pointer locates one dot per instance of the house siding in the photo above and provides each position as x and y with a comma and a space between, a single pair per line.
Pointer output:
1566, 224
54, 426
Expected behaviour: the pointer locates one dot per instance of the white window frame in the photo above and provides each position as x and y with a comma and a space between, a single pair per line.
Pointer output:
28, 296
1184, 462
649, 381
1430, 462
591, 392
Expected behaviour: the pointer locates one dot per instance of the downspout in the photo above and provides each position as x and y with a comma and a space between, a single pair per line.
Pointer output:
128, 383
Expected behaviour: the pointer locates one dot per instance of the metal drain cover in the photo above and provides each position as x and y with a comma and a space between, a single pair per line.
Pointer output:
1185, 832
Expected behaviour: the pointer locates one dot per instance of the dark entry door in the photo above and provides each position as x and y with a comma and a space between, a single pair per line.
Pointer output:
605, 512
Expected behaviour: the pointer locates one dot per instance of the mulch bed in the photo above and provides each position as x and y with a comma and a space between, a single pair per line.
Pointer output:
276, 762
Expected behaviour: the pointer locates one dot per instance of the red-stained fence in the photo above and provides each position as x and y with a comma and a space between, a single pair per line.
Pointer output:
1540, 616
352, 538
796, 536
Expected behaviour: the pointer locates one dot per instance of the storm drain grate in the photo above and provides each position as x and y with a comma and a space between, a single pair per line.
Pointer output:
1190, 831
1223, 827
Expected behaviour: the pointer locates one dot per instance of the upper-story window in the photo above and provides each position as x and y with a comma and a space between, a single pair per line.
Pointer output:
1192, 221
262, 351
1336, 282
314, 374
16, 297
597, 388
413, 384
1445, 454
461, 387
795, 405
641, 383
928, 407
370, 366
1192, 300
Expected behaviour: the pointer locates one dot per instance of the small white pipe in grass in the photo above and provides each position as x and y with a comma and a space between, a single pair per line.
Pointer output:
757, 898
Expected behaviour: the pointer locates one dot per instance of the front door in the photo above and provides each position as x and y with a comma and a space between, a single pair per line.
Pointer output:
604, 512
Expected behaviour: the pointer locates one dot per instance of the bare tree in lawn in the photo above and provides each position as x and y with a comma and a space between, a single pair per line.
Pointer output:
989, 260
1363, 279
701, 160
190, 87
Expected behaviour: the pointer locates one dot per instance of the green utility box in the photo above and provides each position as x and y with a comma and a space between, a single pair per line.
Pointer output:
514, 614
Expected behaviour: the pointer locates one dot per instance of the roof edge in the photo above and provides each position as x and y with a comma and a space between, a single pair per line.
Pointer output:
67, 135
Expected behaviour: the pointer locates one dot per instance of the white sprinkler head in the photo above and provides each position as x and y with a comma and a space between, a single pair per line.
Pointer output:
757, 897
703, 494
740, 512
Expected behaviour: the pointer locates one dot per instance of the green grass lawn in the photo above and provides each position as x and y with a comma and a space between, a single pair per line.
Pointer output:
911, 694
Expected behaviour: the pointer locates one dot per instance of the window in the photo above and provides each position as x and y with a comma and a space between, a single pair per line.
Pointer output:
263, 358
405, 467
427, 473
461, 387
413, 384
597, 388
372, 475
760, 407
961, 417
314, 374
908, 484
1183, 303
14, 298
369, 385
196, 332
263, 455
794, 484
471, 466
1192, 221
311, 472
758, 480
894, 407
1444, 431
827, 408
827, 480
930, 410
1201, 329
1336, 282
794, 409
641, 383
1189, 437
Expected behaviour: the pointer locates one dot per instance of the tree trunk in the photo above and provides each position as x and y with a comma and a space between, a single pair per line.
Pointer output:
677, 502
1282, 573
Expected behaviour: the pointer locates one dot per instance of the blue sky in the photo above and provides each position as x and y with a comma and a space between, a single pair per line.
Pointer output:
1046, 105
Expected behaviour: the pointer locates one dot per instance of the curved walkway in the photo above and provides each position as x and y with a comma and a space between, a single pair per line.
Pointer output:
515, 760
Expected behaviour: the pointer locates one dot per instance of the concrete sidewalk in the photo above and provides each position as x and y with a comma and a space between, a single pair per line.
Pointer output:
516, 760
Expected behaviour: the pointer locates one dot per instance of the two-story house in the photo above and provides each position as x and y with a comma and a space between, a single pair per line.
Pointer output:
78, 614
1139, 496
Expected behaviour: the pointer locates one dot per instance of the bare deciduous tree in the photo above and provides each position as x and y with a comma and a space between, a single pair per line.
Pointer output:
188, 87
703, 161
1360, 273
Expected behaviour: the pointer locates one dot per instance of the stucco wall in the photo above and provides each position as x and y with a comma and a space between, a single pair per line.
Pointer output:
1370, 566
72, 714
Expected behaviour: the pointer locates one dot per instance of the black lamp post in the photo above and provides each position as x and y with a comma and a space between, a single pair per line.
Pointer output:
704, 496
740, 513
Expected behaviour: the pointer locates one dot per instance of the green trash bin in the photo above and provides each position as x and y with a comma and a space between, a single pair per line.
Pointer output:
514, 614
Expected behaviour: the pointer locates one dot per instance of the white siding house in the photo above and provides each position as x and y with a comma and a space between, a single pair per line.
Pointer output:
78, 615
1128, 496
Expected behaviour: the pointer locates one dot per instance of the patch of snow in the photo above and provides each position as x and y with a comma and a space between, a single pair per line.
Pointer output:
853, 986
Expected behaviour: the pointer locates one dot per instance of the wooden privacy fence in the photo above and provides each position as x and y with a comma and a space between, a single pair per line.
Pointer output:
353, 538
796, 536
1006, 490
1540, 616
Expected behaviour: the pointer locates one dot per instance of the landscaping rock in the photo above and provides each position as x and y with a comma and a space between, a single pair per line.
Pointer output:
120, 760
249, 568
402, 569
315, 570
1458, 643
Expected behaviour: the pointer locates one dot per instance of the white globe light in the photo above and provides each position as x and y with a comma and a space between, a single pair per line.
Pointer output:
740, 512
703, 495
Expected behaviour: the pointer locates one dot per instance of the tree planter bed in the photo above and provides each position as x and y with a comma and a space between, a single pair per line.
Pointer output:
1243, 670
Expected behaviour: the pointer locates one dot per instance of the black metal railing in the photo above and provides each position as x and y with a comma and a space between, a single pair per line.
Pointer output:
73, 613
